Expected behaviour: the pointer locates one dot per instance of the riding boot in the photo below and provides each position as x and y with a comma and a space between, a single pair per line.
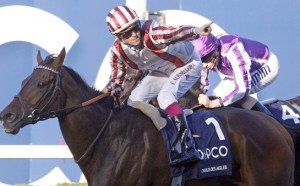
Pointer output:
260, 107
189, 153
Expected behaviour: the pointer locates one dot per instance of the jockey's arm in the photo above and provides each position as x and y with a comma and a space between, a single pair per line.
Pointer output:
160, 35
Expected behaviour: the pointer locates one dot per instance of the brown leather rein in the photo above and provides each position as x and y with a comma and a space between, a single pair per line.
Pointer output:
88, 102
84, 104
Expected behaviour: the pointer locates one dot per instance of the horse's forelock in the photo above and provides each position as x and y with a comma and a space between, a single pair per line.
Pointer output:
49, 59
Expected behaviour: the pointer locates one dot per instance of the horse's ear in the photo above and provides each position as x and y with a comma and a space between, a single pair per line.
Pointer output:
39, 58
63, 54
60, 58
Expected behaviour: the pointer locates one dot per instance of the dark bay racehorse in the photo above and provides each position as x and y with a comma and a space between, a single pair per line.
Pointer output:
122, 146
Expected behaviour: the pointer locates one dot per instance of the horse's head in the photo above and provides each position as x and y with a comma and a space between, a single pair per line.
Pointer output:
39, 92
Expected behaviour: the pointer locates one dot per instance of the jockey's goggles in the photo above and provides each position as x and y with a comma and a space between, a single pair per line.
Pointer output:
127, 34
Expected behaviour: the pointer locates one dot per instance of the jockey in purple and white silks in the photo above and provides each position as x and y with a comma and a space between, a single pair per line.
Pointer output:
245, 67
169, 55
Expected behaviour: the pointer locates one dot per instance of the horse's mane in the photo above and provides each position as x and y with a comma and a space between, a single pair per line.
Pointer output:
107, 102
82, 83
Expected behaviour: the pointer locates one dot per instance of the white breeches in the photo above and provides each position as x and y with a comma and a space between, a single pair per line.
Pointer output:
168, 88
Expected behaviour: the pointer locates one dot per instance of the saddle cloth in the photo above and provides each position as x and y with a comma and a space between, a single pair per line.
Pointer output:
211, 141
284, 112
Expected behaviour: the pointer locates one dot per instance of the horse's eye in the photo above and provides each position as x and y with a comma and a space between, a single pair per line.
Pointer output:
41, 84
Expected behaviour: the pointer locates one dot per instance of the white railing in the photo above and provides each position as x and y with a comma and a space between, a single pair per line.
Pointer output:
35, 152
55, 176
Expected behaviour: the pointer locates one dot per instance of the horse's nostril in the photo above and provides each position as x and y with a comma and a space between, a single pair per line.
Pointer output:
10, 117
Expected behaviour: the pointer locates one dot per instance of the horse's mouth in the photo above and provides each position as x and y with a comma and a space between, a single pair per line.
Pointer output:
1, 123
13, 129
11, 122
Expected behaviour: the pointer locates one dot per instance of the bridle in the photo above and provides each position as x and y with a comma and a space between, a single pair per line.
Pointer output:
38, 115
35, 115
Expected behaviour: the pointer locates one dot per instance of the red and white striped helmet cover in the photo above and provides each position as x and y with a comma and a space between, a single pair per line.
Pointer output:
120, 18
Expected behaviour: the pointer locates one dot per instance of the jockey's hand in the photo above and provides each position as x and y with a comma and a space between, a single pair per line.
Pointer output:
116, 93
204, 30
113, 92
204, 100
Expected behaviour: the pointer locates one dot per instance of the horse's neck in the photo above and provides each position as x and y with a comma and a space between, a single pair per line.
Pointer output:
81, 126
